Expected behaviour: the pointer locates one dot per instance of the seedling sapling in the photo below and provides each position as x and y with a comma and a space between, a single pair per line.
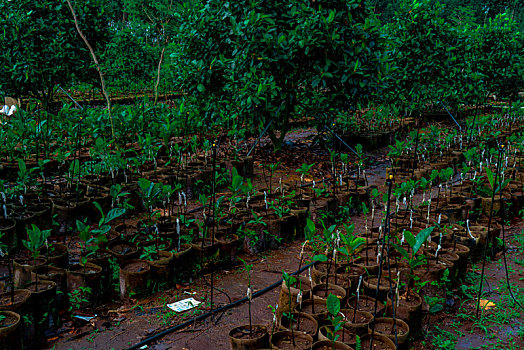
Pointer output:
333, 307
36, 240
249, 294
414, 260
289, 281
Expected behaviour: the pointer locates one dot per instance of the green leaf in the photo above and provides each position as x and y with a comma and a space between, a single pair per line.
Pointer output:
402, 251
22, 166
408, 236
97, 206
310, 229
114, 213
201, 88
343, 250
333, 304
331, 16
320, 258
421, 238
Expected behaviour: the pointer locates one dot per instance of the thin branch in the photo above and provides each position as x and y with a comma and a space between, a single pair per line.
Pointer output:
98, 68
158, 73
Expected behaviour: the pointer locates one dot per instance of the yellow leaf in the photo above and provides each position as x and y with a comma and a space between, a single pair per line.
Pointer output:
486, 304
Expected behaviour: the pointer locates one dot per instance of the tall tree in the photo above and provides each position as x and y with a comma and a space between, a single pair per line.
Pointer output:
267, 61
159, 15
40, 47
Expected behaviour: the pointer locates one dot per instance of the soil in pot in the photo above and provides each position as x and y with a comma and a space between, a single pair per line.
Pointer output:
366, 303
244, 338
302, 322
370, 284
10, 335
409, 309
123, 250
380, 342
386, 325
283, 340
328, 345
134, 278
22, 306
357, 321
345, 335
322, 291
57, 254
343, 281
316, 308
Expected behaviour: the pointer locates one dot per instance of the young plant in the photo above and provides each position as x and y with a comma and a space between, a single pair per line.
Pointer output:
414, 260
351, 244
36, 240
289, 280
333, 307
304, 171
248, 268
150, 194
90, 237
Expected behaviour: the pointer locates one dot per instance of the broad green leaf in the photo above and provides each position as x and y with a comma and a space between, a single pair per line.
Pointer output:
490, 178
114, 213
422, 236
331, 16
333, 305
309, 229
320, 258
410, 239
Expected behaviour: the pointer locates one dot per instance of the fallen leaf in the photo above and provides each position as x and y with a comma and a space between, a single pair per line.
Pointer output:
486, 304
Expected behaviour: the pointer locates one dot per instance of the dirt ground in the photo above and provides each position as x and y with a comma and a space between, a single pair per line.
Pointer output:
119, 326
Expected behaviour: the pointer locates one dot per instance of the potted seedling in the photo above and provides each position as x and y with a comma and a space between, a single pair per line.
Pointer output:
36, 240
150, 193
272, 169
289, 336
303, 171
250, 336
410, 299
91, 237
335, 328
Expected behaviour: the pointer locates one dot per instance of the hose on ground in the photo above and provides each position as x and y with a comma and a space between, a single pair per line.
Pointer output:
207, 314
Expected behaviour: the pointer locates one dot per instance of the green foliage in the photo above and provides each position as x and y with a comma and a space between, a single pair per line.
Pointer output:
502, 61
91, 237
415, 243
79, 297
37, 238
265, 61
351, 244
433, 61
41, 48
333, 307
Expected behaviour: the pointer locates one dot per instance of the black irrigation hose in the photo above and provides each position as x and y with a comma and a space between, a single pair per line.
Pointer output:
342, 141
460, 128
207, 314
